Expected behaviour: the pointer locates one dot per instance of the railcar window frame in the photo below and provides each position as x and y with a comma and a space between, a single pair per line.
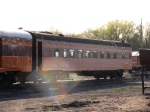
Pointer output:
87, 54
56, 52
102, 55
72, 53
115, 55
95, 54
123, 55
65, 53
80, 53
108, 55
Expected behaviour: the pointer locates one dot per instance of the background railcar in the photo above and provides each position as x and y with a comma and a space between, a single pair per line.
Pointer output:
15, 55
137, 67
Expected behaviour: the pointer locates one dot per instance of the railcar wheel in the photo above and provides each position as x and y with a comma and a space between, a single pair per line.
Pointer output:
120, 73
22, 81
97, 78
40, 82
35, 81
105, 77
53, 78
111, 77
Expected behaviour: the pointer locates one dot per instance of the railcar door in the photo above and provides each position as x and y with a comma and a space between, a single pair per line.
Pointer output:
0, 52
39, 56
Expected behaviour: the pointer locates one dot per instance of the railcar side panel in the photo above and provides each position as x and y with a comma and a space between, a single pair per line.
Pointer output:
85, 64
16, 56
50, 62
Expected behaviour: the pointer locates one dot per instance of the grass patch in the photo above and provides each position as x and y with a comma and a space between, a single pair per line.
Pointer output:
135, 87
126, 88
122, 89
119, 89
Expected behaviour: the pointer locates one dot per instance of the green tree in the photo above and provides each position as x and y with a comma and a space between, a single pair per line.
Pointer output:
146, 40
134, 41
113, 30
127, 30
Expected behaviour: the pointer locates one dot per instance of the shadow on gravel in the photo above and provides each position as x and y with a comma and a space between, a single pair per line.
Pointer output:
27, 91
77, 104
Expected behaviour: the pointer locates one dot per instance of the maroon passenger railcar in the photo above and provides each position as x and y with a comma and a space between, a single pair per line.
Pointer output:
57, 56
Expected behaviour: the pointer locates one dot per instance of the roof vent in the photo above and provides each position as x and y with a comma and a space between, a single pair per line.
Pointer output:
61, 35
46, 32
20, 28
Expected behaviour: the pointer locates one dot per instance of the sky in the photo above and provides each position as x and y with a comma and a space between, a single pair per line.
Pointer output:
70, 16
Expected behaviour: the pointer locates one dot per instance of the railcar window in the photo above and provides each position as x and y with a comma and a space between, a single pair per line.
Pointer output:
108, 55
65, 53
87, 54
56, 52
123, 55
80, 54
95, 54
101, 54
115, 55
72, 53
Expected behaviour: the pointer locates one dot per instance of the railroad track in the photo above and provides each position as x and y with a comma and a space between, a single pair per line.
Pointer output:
68, 83
62, 87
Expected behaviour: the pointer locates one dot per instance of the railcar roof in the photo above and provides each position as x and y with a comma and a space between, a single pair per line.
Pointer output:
52, 37
15, 33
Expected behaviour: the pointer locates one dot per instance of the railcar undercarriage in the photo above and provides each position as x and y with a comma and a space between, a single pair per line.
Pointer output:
102, 74
53, 76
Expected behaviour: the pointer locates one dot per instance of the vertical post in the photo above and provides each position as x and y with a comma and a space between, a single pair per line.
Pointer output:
142, 76
141, 35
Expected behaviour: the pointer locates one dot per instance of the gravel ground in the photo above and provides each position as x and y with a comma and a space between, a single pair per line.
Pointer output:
81, 94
